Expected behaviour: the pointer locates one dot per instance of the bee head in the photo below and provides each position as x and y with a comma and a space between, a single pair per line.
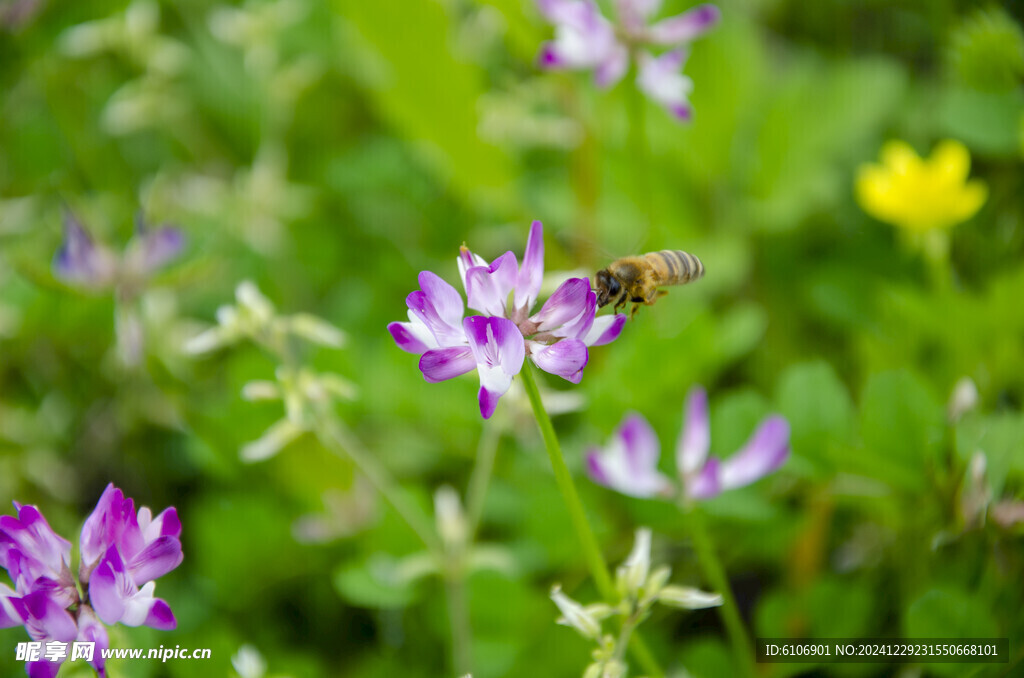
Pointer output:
607, 288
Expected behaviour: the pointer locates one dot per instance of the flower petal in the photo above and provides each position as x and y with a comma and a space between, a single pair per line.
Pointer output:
565, 358
633, 14
103, 527
494, 383
109, 585
612, 67
531, 273
695, 439
91, 630
498, 350
445, 299
412, 337
640, 443
422, 309
767, 449
81, 261
659, 78
629, 463
567, 303
41, 551
154, 248
684, 27
707, 483
167, 524
9, 615
157, 559
439, 364
487, 289
467, 260
605, 329
583, 37
45, 619
496, 342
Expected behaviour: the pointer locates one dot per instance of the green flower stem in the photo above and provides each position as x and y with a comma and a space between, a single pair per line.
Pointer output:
640, 150
336, 437
715, 575
458, 611
578, 516
479, 480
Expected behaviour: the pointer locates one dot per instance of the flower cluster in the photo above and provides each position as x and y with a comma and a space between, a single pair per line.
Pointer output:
122, 553
629, 463
921, 195
254, 318
497, 341
84, 263
306, 394
585, 39
639, 588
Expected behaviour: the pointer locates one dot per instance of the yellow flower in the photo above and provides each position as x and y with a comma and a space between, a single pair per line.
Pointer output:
920, 195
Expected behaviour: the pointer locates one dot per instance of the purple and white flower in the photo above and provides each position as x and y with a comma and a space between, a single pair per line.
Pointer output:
498, 340
84, 263
586, 40
629, 463
122, 553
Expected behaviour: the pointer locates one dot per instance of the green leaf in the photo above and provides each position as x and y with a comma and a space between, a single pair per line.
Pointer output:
425, 91
1000, 437
987, 122
374, 583
819, 409
901, 426
949, 612
816, 123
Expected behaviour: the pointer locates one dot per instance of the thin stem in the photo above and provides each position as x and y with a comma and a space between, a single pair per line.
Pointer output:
640, 152
336, 437
715, 574
578, 516
458, 611
480, 478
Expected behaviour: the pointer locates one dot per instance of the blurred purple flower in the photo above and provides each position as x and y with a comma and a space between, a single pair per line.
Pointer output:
497, 341
122, 553
629, 463
585, 40
83, 263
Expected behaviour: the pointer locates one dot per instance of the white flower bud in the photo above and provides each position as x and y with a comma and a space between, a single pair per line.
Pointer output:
317, 330
451, 520
261, 390
249, 663
273, 440
963, 399
251, 299
688, 598
632, 574
206, 341
574, 615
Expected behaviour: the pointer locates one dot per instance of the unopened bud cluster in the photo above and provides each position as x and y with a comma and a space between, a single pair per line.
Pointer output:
638, 587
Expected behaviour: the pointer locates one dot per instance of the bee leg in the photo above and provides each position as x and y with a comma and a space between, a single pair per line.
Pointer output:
632, 311
657, 295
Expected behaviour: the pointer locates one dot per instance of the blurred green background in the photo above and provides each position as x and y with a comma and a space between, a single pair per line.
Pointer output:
330, 151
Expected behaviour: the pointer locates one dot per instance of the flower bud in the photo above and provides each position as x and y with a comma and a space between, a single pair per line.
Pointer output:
575, 615
632, 574
688, 598
451, 520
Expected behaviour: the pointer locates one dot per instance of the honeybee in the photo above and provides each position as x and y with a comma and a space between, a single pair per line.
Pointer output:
637, 279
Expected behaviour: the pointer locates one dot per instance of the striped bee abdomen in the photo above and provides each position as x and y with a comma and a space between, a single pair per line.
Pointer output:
675, 267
